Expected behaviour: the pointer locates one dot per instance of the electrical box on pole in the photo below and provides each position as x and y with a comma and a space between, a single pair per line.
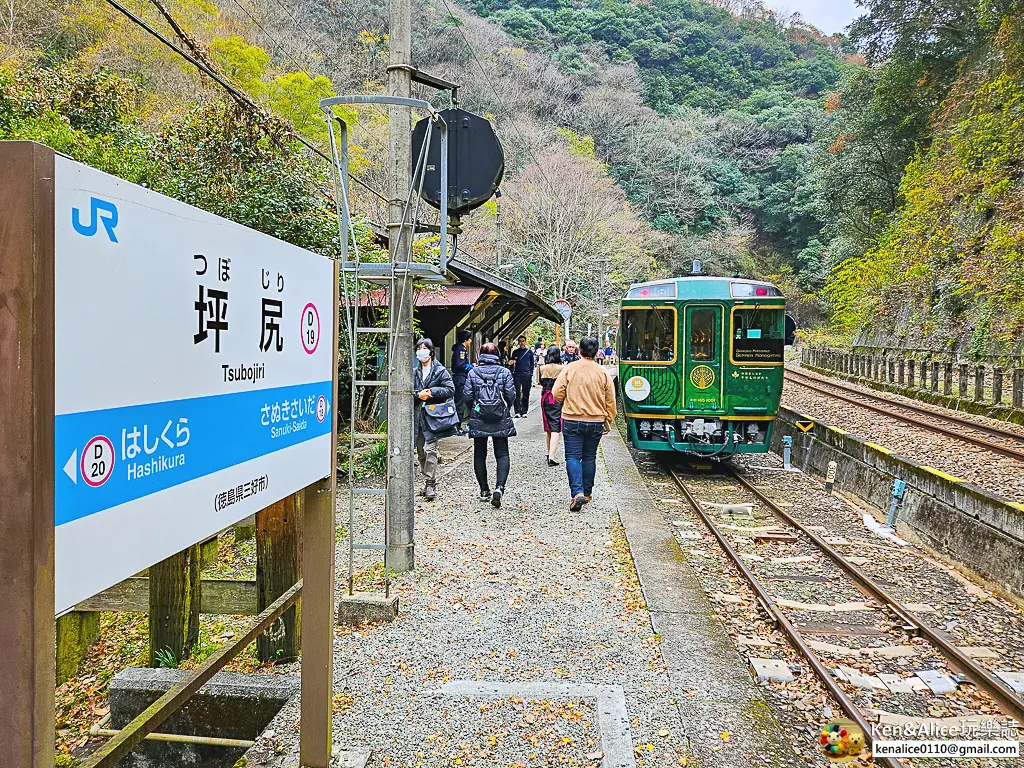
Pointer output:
476, 161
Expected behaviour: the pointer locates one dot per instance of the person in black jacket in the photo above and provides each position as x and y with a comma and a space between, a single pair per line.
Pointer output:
433, 385
490, 390
523, 362
460, 369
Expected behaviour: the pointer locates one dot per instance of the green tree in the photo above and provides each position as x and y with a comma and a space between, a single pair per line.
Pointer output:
243, 63
296, 96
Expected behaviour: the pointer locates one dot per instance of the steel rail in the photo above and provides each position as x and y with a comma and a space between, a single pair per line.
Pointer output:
1019, 455
156, 713
1004, 696
994, 431
780, 620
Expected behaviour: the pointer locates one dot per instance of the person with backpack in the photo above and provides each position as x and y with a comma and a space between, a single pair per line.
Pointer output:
436, 414
491, 393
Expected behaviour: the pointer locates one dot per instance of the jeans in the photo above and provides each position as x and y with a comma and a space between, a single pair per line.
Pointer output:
480, 461
427, 452
581, 439
522, 395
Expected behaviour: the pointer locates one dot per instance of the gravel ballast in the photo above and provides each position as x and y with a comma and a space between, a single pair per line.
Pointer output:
529, 593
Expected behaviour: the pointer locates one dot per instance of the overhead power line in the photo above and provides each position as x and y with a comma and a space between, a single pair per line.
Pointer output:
241, 97
293, 60
497, 96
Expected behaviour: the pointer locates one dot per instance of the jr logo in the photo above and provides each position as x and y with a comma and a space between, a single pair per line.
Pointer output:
99, 211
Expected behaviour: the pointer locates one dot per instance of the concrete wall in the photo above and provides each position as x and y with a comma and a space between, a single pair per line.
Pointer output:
230, 706
971, 526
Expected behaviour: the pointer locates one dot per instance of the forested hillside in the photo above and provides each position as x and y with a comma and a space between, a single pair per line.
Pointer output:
620, 147
873, 176
706, 117
929, 222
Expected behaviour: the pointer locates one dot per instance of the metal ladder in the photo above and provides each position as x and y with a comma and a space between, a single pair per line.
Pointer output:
355, 271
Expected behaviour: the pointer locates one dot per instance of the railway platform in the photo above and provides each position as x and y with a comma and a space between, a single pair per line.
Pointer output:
530, 635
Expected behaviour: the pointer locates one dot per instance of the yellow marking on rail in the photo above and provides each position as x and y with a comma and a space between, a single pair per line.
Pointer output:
942, 474
1018, 506
878, 447
837, 429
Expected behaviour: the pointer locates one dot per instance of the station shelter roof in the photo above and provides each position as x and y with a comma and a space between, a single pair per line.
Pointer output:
488, 305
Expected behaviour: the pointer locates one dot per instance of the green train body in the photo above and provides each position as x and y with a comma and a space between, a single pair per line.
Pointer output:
701, 364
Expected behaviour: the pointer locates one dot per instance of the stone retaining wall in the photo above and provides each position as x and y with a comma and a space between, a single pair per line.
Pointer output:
982, 531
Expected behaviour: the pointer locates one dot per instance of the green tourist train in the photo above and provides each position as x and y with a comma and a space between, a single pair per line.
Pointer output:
701, 364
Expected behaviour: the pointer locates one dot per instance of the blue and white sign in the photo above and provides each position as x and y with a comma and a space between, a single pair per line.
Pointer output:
193, 376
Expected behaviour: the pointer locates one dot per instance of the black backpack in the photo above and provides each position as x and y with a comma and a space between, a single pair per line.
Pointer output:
490, 404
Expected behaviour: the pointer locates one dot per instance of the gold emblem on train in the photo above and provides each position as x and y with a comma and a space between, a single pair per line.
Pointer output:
702, 377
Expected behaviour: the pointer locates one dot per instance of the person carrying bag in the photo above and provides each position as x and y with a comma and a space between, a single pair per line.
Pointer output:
491, 392
550, 409
436, 414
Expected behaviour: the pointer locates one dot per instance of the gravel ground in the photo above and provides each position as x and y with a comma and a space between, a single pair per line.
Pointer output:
967, 612
999, 474
939, 416
896, 399
530, 592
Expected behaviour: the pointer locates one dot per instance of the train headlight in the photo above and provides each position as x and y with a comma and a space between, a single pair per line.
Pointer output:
645, 428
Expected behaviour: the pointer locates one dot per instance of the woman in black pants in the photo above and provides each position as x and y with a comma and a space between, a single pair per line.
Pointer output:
490, 391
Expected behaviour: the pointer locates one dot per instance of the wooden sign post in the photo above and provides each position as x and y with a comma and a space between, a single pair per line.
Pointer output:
27, 665
127, 436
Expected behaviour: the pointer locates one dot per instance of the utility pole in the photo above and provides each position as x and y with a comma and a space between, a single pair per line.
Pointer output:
497, 224
401, 499
600, 305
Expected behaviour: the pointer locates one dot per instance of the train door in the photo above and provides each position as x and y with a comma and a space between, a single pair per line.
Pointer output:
702, 374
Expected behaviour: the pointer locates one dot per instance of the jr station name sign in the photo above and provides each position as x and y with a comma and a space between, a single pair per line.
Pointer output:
193, 376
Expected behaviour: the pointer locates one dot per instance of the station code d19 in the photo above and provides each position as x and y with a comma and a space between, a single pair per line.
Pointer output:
193, 376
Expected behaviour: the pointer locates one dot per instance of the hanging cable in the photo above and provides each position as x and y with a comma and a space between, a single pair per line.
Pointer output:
241, 97
497, 96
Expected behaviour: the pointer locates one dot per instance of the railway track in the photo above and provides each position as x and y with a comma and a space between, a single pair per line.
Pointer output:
885, 618
899, 411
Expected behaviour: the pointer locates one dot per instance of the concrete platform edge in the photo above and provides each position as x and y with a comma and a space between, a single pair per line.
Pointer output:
971, 526
716, 693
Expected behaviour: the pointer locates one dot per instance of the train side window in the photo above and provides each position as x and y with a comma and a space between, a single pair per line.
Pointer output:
702, 334
758, 334
648, 334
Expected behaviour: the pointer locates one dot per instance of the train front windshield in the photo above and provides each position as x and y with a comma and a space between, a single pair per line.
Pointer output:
758, 334
648, 334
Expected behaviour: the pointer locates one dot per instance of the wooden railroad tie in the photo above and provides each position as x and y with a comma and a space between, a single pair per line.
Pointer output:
781, 536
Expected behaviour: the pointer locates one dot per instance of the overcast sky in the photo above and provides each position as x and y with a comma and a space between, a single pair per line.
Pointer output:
827, 15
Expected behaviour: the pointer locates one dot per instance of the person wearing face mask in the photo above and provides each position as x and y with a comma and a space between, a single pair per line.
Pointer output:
436, 415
